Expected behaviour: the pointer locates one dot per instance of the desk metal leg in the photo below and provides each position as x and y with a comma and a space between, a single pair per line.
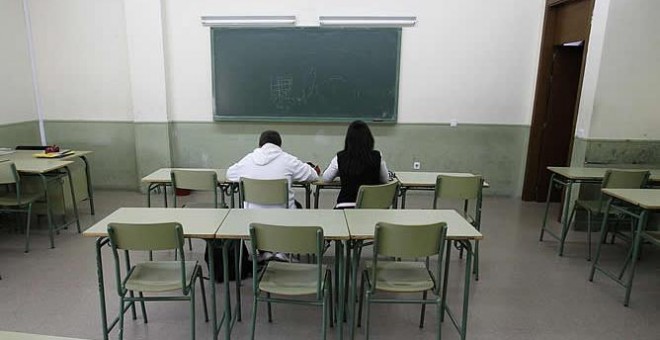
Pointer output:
49, 213
355, 264
635, 253
317, 197
547, 207
90, 191
214, 314
308, 195
100, 242
340, 277
462, 328
73, 197
404, 191
564, 216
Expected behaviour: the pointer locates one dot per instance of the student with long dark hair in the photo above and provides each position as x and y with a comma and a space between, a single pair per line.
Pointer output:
356, 165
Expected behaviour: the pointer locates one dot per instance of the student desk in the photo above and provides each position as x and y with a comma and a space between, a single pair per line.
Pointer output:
162, 178
423, 181
236, 226
197, 223
25, 336
408, 180
566, 177
637, 204
42, 168
21, 155
362, 223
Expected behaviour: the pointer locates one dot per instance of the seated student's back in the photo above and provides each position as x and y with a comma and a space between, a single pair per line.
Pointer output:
358, 164
269, 161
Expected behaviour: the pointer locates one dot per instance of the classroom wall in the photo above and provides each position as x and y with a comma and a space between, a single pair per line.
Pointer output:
16, 94
618, 117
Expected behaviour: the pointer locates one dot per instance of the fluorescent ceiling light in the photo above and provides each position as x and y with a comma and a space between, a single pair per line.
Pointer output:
231, 21
364, 21
573, 43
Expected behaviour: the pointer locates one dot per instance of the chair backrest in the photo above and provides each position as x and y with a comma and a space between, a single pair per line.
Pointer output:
202, 180
265, 191
376, 196
460, 188
287, 239
410, 241
8, 173
625, 179
146, 237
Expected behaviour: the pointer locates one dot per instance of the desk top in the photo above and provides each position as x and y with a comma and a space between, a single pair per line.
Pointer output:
163, 175
39, 166
645, 198
29, 154
408, 179
576, 173
236, 225
362, 222
25, 336
198, 223
427, 179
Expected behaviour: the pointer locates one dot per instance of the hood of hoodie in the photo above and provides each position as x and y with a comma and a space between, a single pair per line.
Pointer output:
266, 154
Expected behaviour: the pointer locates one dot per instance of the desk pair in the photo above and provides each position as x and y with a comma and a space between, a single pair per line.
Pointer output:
340, 227
566, 177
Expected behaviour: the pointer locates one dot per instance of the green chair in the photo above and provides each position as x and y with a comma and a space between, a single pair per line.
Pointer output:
614, 179
153, 276
14, 199
380, 196
468, 191
404, 241
199, 180
290, 280
264, 191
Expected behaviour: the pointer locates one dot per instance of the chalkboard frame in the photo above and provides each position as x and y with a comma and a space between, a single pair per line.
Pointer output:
305, 119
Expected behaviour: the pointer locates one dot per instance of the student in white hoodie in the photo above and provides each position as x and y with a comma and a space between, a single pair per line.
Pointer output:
268, 161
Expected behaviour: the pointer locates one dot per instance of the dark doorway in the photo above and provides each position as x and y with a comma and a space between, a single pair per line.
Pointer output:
557, 133
564, 44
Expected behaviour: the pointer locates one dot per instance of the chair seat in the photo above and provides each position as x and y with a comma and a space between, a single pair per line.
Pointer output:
9, 199
592, 206
402, 276
159, 276
290, 278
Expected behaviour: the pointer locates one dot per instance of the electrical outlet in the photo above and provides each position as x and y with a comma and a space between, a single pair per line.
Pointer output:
417, 165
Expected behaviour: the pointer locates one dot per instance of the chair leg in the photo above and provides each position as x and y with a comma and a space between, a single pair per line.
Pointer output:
324, 321
564, 231
121, 318
366, 326
361, 301
27, 228
270, 312
588, 235
475, 268
201, 285
143, 307
440, 309
190, 244
192, 312
421, 316
253, 322
331, 296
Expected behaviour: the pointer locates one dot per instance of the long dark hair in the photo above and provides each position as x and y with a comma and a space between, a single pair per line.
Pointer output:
358, 145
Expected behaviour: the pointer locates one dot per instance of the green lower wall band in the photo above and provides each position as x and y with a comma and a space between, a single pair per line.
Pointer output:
126, 151
24, 133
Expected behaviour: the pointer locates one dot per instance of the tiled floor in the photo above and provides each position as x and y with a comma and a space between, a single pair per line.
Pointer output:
526, 291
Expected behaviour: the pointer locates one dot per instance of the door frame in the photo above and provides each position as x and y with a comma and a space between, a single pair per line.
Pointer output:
564, 21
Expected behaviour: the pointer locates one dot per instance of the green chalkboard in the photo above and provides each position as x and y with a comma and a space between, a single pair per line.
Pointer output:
305, 73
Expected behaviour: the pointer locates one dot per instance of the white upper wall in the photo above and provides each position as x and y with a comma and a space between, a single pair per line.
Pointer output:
626, 102
16, 93
82, 59
473, 61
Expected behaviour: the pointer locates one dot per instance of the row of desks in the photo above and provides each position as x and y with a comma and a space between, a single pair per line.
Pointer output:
408, 181
343, 227
27, 164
